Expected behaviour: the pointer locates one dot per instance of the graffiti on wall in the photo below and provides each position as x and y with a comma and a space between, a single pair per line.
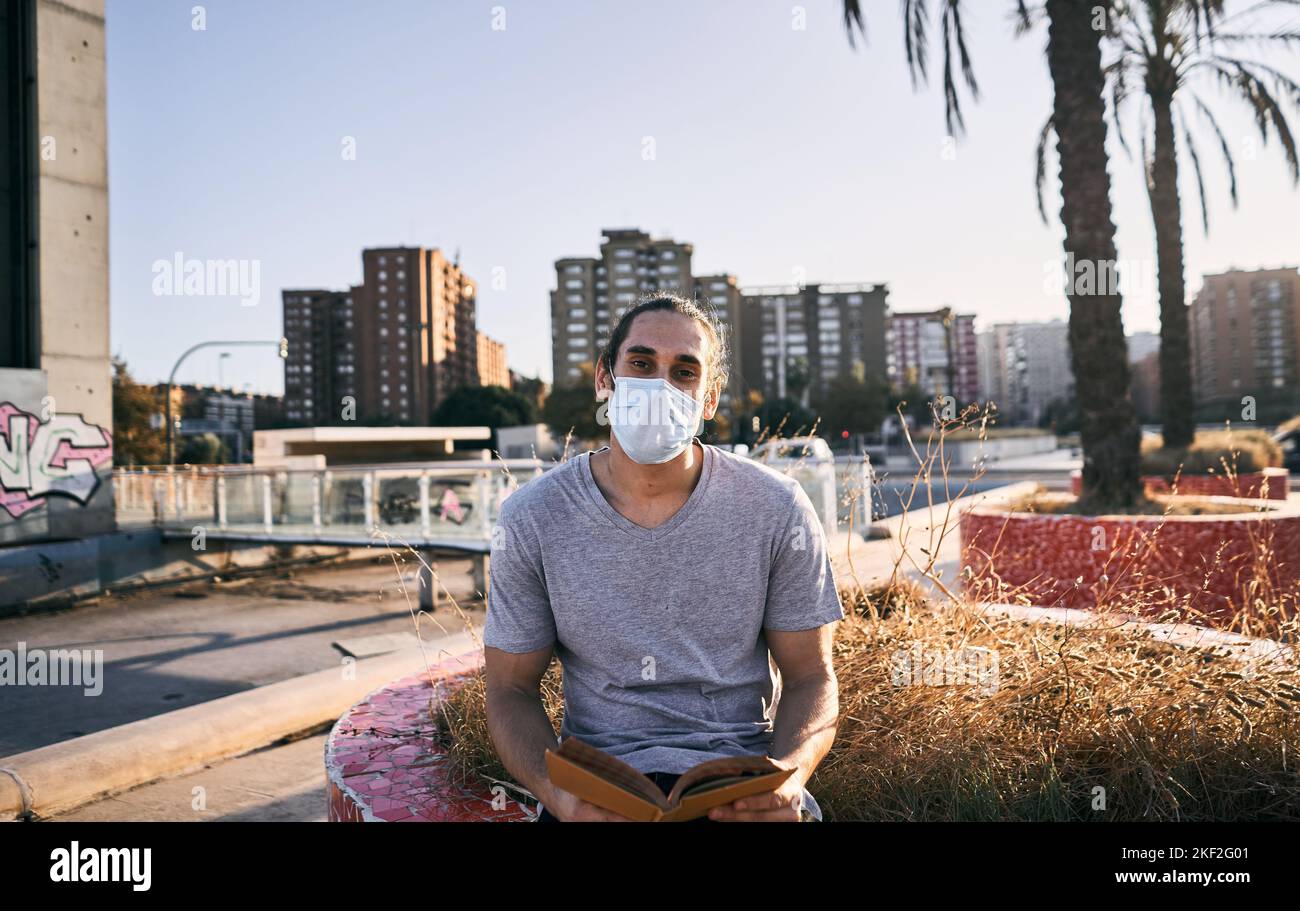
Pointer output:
43, 458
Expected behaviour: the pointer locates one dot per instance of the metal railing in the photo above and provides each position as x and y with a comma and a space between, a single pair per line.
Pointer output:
440, 504
431, 504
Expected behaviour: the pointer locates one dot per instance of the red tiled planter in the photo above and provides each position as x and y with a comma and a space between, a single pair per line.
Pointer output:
1271, 483
382, 763
1077, 561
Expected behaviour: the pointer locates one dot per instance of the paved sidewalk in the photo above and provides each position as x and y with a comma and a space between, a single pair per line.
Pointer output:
278, 784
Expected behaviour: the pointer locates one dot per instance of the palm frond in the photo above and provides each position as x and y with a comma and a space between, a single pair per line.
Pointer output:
1024, 17
954, 39
853, 20
1040, 161
1259, 38
916, 40
1204, 13
1196, 169
967, 68
1229, 161
1117, 75
916, 47
1267, 110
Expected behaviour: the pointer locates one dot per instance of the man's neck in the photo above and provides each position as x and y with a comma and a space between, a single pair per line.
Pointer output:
626, 479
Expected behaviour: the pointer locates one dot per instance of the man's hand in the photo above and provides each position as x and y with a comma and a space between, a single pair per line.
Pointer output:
782, 805
568, 807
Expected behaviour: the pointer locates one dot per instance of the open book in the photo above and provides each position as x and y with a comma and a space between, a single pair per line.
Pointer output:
608, 782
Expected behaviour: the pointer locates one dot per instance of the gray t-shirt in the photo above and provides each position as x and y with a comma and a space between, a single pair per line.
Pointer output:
660, 631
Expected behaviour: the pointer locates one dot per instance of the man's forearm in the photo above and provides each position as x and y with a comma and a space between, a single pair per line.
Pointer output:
522, 733
804, 729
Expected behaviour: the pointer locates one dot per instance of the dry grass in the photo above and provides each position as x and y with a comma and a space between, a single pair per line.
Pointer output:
462, 724
1168, 733
1213, 452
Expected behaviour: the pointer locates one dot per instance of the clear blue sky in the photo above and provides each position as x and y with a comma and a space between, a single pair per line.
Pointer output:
777, 150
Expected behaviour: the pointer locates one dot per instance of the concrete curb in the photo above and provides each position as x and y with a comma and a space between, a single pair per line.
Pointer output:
52, 779
851, 554
1246, 650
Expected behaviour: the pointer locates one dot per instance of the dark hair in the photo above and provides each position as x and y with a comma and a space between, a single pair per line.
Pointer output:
700, 311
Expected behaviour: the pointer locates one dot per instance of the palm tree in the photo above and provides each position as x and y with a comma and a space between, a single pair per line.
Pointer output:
1166, 47
1099, 354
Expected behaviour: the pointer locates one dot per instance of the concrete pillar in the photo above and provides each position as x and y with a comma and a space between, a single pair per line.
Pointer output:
429, 588
481, 568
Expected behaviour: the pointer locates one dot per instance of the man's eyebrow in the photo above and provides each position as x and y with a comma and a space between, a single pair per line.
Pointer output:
646, 349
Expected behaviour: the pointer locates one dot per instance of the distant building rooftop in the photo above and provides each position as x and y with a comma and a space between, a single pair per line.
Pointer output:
303, 446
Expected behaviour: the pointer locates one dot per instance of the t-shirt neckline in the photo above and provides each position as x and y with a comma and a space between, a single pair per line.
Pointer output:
616, 518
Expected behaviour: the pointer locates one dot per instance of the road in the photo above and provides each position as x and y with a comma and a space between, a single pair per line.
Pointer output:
166, 649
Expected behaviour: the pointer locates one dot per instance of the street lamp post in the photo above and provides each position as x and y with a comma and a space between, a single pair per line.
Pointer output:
281, 343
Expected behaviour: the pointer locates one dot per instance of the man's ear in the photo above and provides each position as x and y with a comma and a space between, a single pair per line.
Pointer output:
604, 383
711, 401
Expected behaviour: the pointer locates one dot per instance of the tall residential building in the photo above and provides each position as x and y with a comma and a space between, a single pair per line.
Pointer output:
798, 339
492, 369
592, 292
778, 340
721, 294
934, 350
1024, 367
1245, 335
320, 371
393, 346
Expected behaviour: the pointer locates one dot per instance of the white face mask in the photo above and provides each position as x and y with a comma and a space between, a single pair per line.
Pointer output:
653, 420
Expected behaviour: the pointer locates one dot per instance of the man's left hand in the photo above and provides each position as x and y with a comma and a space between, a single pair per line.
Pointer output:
782, 805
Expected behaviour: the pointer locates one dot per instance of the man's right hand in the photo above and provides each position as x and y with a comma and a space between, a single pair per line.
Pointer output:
568, 807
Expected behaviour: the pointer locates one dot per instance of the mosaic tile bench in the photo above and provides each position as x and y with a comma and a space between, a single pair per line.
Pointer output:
383, 763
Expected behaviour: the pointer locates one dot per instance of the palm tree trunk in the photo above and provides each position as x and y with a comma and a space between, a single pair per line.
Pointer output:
1099, 354
1176, 405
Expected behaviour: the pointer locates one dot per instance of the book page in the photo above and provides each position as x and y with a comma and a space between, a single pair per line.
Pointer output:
741, 767
611, 769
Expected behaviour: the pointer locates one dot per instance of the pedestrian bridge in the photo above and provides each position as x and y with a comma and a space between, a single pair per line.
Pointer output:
427, 505
441, 505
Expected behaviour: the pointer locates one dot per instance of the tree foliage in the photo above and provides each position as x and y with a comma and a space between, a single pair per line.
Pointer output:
135, 440
573, 407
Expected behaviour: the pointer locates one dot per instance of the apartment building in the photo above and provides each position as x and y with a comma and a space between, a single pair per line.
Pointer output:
320, 371
720, 294
388, 349
1245, 337
592, 292
934, 350
492, 369
798, 339
1024, 367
